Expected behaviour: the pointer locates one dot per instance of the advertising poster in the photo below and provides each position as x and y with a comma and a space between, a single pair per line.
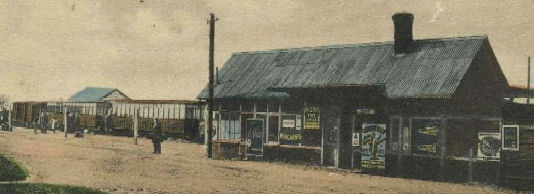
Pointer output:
425, 136
489, 146
288, 133
510, 137
311, 118
255, 136
374, 146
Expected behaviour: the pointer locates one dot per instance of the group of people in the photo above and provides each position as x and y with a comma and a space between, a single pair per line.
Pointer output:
44, 124
73, 125
4, 120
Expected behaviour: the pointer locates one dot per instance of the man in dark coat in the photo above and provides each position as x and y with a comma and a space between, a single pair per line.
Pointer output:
70, 122
78, 129
43, 122
108, 124
157, 137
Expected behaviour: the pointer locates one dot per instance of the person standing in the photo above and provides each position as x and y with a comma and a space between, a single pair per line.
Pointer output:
157, 137
70, 120
53, 124
108, 123
43, 122
37, 123
76, 123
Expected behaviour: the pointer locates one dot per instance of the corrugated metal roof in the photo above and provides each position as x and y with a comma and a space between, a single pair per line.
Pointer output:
433, 68
91, 94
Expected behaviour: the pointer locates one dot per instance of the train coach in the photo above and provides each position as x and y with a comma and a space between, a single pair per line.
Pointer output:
91, 113
178, 118
26, 114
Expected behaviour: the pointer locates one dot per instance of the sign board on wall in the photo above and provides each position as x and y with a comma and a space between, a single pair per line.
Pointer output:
288, 123
289, 135
298, 122
425, 136
255, 136
510, 137
365, 111
311, 117
374, 146
214, 130
355, 139
489, 146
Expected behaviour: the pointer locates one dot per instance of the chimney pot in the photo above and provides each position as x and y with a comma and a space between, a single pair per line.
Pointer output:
403, 37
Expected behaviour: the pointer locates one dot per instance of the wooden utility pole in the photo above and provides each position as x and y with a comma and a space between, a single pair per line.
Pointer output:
528, 81
65, 121
210, 84
9, 120
136, 125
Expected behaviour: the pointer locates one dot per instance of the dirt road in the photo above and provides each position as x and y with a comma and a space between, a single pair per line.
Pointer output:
115, 165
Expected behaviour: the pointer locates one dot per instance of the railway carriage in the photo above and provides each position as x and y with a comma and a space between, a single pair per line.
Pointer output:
178, 118
26, 114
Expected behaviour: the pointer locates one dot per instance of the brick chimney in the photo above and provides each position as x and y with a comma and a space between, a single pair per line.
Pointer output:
403, 32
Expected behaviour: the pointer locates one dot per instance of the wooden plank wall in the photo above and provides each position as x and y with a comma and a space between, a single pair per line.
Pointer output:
518, 166
88, 121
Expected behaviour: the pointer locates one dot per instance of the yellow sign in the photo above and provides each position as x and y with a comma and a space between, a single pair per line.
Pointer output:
311, 118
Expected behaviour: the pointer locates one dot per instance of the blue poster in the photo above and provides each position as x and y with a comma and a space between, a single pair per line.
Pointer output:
374, 146
510, 137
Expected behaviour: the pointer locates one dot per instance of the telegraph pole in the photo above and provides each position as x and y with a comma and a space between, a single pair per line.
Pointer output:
528, 81
65, 121
210, 84
136, 124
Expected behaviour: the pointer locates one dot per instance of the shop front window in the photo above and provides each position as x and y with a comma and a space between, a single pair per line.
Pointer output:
229, 126
273, 127
290, 131
425, 136
311, 132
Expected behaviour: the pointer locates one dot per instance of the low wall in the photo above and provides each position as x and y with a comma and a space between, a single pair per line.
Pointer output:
226, 150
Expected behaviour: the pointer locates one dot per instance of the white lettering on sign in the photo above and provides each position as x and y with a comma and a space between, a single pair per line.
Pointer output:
288, 123
365, 111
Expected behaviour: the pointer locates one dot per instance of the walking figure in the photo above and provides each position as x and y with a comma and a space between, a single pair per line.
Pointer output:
157, 137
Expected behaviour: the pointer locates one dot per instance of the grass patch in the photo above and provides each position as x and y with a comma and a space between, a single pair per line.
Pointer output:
10, 170
43, 188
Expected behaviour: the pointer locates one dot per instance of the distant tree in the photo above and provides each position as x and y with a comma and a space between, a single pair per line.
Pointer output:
4, 101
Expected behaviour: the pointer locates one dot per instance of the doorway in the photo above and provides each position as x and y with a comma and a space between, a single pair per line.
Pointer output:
330, 123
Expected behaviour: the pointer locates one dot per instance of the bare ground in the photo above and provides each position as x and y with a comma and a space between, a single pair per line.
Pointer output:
115, 165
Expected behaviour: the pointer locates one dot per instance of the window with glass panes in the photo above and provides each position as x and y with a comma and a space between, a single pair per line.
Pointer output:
229, 125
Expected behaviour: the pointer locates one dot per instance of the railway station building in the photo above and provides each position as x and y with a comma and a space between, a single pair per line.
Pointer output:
427, 108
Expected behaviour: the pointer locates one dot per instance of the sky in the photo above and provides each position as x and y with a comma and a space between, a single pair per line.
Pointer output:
158, 49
